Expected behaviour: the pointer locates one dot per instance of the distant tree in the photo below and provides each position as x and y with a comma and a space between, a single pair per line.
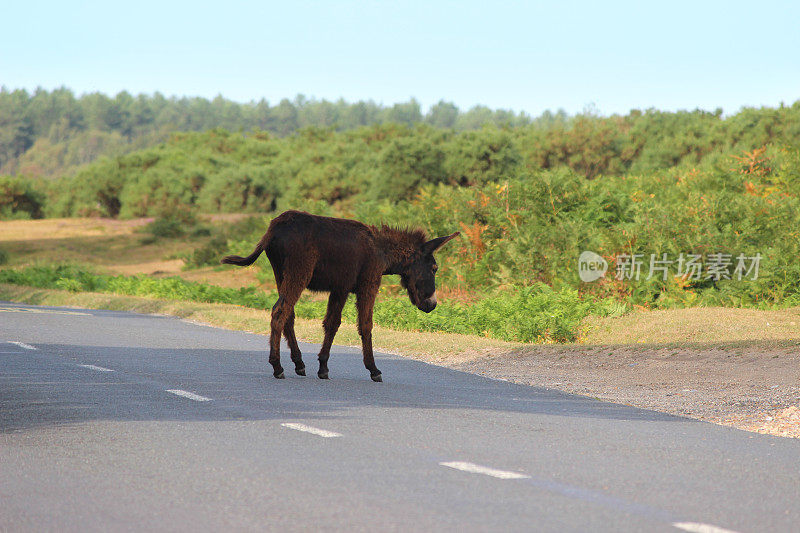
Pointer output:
16, 125
19, 199
442, 115
477, 117
319, 114
283, 118
406, 113
479, 157
405, 164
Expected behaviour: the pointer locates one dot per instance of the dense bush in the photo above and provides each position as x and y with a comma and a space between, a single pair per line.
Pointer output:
176, 223
532, 229
219, 171
166, 227
19, 199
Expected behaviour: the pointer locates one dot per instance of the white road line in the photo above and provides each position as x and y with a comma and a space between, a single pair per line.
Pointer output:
696, 527
97, 368
23, 345
312, 430
190, 395
39, 311
478, 469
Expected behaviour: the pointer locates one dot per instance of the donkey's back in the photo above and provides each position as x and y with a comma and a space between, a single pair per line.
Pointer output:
335, 252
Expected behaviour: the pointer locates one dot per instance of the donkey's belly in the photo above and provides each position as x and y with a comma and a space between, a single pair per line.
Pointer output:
327, 281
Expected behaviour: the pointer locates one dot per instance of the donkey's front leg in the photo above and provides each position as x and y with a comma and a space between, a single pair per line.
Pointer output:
333, 318
365, 302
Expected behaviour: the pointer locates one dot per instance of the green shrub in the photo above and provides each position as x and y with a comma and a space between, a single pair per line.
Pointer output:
209, 254
67, 284
166, 227
20, 199
173, 225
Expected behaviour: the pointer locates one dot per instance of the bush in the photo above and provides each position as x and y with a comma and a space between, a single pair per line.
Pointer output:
207, 255
226, 239
172, 225
166, 227
19, 199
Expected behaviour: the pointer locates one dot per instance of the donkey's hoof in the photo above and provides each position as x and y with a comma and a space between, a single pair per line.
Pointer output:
280, 375
376, 377
322, 375
300, 371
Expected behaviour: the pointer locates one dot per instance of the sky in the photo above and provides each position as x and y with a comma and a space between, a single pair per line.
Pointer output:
607, 57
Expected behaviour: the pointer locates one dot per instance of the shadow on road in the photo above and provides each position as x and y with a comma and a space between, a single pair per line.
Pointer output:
49, 387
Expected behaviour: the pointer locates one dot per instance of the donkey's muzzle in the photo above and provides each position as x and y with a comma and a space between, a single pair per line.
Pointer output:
428, 305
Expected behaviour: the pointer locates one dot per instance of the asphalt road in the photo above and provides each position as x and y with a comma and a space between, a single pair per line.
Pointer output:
115, 421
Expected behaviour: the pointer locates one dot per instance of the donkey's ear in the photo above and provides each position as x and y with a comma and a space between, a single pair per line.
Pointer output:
434, 244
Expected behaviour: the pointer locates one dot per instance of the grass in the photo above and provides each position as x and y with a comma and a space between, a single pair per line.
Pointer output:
103, 244
528, 314
695, 326
65, 228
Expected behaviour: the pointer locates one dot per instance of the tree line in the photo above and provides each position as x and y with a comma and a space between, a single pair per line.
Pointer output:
50, 133
225, 170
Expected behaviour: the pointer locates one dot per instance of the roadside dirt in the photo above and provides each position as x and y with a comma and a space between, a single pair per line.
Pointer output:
754, 387
730, 366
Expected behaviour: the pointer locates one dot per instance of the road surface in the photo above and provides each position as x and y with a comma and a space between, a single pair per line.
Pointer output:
113, 421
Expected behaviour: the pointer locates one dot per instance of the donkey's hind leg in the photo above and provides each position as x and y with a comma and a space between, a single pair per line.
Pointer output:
291, 340
289, 290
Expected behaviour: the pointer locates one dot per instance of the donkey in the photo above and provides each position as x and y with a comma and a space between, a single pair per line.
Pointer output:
340, 256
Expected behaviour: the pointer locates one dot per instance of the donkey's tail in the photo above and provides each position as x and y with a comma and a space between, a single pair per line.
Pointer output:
244, 261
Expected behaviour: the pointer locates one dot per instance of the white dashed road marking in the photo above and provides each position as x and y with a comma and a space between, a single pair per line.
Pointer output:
40, 311
97, 368
478, 469
312, 430
696, 527
23, 345
190, 395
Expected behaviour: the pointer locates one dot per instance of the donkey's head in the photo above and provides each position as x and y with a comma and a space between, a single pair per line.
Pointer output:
418, 273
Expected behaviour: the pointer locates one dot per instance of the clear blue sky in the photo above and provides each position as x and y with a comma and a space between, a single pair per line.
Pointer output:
525, 56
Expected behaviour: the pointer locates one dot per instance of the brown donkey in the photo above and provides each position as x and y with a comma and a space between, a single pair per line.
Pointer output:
341, 257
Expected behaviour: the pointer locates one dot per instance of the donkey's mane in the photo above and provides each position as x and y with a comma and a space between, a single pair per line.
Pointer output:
398, 245
415, 236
